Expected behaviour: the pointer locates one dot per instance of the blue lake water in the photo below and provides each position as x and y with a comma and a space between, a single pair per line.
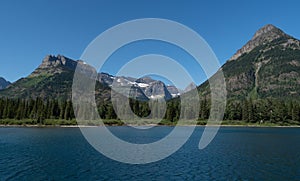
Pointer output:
235, 154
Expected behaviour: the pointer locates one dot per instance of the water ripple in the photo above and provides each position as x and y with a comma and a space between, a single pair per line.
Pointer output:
235, 154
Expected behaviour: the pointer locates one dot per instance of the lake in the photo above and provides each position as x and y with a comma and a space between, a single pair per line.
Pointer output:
236, 153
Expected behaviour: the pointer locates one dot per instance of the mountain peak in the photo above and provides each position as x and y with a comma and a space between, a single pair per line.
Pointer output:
146, 80
52, 64
268, 32
3, 83
264, 35
59, 60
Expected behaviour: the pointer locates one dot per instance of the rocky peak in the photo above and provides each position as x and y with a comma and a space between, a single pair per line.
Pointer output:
146, 80
264, 35
59, 60
174, 91
105, 78
190, 87
55, 64
3, 83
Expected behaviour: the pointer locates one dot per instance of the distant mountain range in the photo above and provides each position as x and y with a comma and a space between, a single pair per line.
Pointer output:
267, 66
53, 79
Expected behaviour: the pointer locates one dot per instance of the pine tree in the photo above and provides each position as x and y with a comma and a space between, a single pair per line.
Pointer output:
245, 113
296, 112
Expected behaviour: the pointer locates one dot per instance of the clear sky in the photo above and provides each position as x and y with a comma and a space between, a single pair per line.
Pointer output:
32, 29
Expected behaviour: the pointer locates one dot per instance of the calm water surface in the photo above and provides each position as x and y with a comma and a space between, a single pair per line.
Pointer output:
235, 154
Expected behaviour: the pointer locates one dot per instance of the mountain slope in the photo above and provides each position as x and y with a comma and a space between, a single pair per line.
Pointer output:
268, 66
3, 83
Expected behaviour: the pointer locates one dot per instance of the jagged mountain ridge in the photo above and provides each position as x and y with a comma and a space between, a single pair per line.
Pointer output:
56, 72
268, 66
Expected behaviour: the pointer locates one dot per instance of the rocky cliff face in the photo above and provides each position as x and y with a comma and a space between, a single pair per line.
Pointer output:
3, 83
154, 89
59, 60
54, 64
157, 90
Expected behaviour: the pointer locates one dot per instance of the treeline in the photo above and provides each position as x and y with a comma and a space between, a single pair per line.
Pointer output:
37, 110
248, 110
264, 110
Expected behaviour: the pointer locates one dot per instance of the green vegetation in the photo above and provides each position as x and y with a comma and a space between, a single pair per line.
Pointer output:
264, 111
57, 86
46, 122
258, 112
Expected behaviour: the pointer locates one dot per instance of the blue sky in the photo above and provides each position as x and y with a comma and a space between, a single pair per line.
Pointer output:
32, 29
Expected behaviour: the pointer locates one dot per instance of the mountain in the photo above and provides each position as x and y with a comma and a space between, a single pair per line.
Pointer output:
153, 89
3, 83
267, 66
53, 79
174, 91
145, 86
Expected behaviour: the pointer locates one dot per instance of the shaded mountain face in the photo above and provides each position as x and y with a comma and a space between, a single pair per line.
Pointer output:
53, 79
267, 66
3, 83
157, 90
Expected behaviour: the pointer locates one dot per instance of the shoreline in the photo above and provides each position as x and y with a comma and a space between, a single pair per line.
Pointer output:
150, 125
